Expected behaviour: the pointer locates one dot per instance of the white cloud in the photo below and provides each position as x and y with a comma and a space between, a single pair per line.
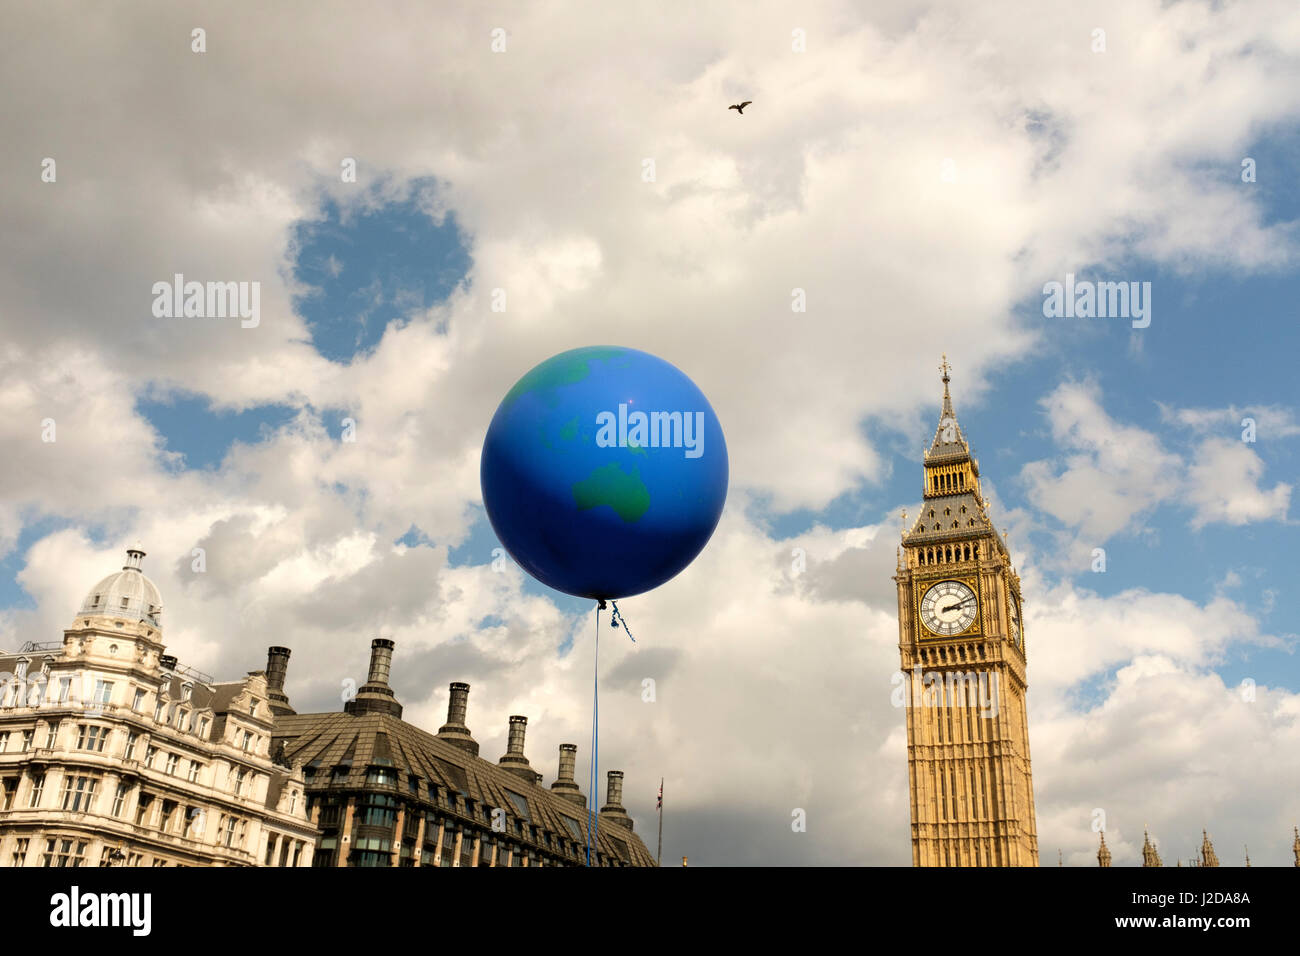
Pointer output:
1112, 476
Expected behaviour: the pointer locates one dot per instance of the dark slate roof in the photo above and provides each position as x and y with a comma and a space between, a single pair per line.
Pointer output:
359, 741
940, 527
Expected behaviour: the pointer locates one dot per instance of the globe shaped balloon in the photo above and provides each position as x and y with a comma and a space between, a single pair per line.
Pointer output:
604, 472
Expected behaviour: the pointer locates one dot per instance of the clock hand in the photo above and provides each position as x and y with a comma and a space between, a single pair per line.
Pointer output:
953, 607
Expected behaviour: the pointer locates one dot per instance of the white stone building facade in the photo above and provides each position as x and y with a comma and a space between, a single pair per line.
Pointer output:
111, 754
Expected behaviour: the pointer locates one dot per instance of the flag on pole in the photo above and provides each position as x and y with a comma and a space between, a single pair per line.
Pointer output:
660, 804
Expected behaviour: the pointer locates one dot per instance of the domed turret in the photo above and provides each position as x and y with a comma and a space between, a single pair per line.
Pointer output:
127, 594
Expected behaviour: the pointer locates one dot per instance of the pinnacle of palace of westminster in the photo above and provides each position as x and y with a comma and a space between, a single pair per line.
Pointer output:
112, 754
961, 642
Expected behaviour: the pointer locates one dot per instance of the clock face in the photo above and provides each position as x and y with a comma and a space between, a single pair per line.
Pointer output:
1016, 635
949, 608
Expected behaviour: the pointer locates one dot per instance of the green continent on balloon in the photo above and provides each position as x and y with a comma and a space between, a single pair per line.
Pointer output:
568, 368
609, 485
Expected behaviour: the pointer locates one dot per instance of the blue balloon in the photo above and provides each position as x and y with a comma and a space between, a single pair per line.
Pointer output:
604, 472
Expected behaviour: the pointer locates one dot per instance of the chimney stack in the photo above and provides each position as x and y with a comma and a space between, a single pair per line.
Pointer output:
168, 663
514, 759
381, 661
613, 807
375, 696
277, 668
565, 786
454, 730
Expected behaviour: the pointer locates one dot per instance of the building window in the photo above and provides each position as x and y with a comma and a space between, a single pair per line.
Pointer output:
27, 739
90, 737
103, 691
240, 777
252, 707
195, 767
138, 703
168, 822
119, 799
4, 741
248, 740
19, 857
38, 787
293, 801
79, 793
142, 808
187, 690
149, 755
203, 727
131, 740
158, 709
10, 789
381, 776
172, 761
228, 833
63, 853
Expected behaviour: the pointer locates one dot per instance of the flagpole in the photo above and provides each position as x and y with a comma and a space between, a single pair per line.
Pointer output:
659, 854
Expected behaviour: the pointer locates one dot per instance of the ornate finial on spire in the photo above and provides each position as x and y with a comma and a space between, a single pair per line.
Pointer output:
1295, 847
945, 368
1247, 855
903, 514
1103, 852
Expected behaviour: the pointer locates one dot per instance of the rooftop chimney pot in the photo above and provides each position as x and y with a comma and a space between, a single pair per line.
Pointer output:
565, 785
454, 730
613, 808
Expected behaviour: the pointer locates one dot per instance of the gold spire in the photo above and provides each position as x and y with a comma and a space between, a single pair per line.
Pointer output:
1208, 857
1103, 854
1149, 855
1295, 847
1247, 855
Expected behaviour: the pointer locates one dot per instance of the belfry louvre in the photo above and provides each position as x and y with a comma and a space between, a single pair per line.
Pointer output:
386, 793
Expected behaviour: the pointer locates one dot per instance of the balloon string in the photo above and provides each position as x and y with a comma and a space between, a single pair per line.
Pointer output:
617, 618
595, 735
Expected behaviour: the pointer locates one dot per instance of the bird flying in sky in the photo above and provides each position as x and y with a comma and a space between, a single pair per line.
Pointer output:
740, 107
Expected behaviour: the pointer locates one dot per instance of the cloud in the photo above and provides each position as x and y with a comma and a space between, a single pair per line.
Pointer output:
1111, 477
1223, 486
1271, 421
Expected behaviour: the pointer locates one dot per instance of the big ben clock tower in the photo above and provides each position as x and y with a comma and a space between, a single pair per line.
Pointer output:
962, 645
